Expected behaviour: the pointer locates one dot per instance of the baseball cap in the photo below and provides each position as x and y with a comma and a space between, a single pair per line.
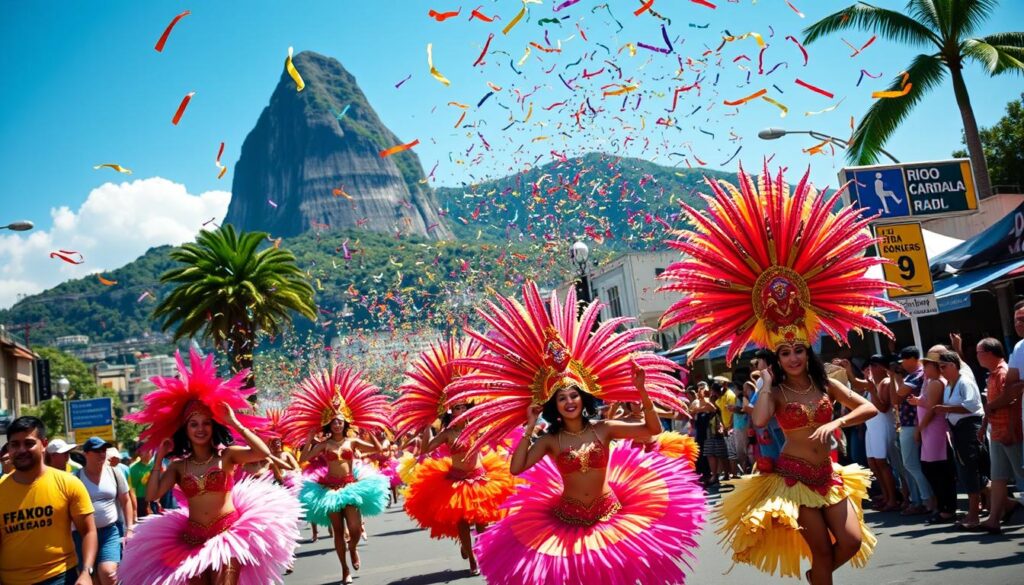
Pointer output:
60, 446
910, 352
878, 359
95, 444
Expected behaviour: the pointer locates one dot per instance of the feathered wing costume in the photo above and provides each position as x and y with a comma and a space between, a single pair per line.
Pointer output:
261, 535
533, 349
439, 496
772, 265
319, 399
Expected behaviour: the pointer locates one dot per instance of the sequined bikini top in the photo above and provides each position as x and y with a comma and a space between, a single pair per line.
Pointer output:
346, 454
214, 480
590, 456
797, 415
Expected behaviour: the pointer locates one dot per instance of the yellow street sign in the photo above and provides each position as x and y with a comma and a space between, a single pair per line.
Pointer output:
105, 432
903, 244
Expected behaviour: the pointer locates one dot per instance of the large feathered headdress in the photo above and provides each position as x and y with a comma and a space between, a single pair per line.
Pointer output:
533, 349
770, 265
196, 389
423, 395
328, 394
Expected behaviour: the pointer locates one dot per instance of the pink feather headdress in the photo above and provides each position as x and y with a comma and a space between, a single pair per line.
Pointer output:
533, 349
196, 389
423, 395
328, 394
772, 266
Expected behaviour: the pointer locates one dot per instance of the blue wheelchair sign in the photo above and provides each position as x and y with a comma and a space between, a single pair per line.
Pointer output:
881, 191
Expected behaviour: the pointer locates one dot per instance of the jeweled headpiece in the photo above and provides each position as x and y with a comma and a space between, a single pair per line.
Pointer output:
770, 266
329, 394
535, 348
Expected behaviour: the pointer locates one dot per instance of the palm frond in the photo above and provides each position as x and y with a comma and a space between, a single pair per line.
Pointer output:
996, 58
885, 116
926, 12
888, 24
969, 15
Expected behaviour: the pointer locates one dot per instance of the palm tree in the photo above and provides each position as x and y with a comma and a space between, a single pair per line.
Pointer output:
228, 291
944, 26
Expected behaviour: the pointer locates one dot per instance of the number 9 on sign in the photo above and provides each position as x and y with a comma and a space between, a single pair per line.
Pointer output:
906, 266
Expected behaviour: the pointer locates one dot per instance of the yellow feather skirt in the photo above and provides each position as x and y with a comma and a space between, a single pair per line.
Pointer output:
758, 519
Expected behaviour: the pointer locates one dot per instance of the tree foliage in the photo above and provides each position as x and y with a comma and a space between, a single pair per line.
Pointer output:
1004, 147
82, 386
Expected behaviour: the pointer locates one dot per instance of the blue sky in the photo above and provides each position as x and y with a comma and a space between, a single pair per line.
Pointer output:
85, 86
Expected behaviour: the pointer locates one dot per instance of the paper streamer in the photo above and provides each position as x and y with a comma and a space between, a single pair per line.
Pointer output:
68, 256
399, 148
803, 51
115, 167
794, 8
106, 282
741, 101
223, 169
433, 70
483, 53
643, 8
564, 5
167, 31
815, 89
512, 23
290, 67
181, 108
443, 16
828, 109
905, 89
777, 104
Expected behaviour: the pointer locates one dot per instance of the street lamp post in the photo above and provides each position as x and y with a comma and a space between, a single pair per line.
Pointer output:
18, 226
579, 253
63, 387
776, 133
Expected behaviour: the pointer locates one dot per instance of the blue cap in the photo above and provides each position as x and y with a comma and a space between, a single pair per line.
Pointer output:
95, 444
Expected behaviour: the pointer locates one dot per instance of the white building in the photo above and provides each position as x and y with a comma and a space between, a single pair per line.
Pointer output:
71, 341
157, 365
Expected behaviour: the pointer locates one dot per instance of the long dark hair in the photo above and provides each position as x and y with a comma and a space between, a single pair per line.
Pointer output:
815, 369
182, 446
326, 430
550, 412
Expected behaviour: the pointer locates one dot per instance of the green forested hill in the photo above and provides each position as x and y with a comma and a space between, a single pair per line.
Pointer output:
624, 202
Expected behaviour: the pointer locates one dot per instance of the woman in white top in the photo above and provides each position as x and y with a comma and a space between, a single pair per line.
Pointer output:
961, 405
109, 492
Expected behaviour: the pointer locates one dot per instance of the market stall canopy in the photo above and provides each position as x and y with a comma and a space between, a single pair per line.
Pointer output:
999, 243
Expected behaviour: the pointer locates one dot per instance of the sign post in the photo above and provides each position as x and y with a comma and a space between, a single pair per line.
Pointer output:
903, 245
93, 417
911, 191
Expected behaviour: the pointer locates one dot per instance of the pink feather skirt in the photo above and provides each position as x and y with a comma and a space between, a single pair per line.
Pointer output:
640, 532
261, 535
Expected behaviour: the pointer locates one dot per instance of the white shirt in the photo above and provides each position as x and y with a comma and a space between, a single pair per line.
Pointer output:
966, 394
104, 495
1016, 362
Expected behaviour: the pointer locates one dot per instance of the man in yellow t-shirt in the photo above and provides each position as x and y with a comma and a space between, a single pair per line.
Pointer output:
38, 505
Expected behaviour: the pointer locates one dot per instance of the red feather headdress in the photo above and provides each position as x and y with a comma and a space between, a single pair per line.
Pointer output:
772, 266
325, 395
196, 389
533, 349
423, 396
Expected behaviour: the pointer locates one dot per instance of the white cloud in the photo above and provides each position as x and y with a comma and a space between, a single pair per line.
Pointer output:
116, 224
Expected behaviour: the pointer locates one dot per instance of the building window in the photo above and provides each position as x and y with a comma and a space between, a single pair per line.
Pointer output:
658, 271
26, 393
614, 303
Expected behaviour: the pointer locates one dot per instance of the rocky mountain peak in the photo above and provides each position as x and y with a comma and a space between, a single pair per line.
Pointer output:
313, 161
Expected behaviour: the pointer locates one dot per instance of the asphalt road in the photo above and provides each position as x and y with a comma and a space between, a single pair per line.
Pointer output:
397, 553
